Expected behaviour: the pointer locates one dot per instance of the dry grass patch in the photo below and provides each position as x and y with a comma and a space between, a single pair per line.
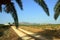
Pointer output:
49, 31
8, 34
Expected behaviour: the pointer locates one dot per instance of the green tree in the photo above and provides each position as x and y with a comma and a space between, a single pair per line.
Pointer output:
57, 10
11, 9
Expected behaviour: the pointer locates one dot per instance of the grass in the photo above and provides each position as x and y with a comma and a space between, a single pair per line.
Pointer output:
49, 31
41, 27
7, 33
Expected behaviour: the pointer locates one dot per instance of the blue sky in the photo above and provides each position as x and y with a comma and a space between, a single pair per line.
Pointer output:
32, 13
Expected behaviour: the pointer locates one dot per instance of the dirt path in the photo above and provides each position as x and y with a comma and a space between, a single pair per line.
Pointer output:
25, 35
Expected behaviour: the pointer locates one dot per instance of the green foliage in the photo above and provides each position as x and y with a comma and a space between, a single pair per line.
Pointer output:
57, 10
11, 9
20, 4
0, 8
43, 5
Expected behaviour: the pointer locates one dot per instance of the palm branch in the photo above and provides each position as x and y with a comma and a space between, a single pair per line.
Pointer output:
43, 5
20, 4
11, 9
0, 8
57, 10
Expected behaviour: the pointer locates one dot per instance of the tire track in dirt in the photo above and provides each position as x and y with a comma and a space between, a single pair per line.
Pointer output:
25, 35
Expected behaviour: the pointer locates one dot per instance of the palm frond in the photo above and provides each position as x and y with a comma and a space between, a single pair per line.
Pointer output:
43, 5
57, 10
20, 4
0, 8
10, 8
56, 15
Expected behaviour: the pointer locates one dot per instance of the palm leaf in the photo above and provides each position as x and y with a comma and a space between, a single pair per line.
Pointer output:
43, 5
56, 15
57, 10
10, 8
20, 4
0, 8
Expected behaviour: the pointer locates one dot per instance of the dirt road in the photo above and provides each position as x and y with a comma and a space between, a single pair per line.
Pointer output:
25, 35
